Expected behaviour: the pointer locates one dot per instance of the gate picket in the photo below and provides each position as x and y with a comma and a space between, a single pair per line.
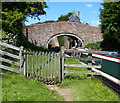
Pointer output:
30, 66
36, 74
46, 68
40, 61
53, 66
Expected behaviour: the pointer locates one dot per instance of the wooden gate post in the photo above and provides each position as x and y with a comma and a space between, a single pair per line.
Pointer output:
90, 64
21, 59
24, 64
62, 63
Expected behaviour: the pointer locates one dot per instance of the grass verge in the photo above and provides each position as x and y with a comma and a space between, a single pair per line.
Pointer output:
16, 88
84, 89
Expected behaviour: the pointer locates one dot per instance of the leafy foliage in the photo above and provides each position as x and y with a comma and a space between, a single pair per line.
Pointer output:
32, 47
65, 17
14, 14
95, 46
110, 25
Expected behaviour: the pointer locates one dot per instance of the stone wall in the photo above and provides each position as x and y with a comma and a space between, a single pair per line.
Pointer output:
40, 33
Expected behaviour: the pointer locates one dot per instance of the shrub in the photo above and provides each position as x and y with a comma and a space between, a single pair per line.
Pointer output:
95, 46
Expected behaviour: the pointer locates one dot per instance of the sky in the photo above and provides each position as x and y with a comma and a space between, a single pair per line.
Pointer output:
89, 12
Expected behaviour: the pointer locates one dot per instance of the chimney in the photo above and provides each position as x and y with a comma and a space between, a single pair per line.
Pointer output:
79, 14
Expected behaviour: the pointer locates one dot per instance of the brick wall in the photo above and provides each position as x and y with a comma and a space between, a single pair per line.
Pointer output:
40, 33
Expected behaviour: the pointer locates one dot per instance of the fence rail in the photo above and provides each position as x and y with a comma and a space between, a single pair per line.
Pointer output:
9, 54
5, 57
78, 65
85, 51
9, 61
10, 69
9, 46
76, 54
76, 72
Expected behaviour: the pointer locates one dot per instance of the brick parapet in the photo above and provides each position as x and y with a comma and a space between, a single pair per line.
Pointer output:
40, 33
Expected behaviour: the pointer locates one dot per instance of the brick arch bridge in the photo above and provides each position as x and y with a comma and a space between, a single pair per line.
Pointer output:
64, 34
41, 33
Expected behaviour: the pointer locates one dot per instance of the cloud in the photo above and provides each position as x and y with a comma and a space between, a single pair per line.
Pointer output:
89, 5
95, 22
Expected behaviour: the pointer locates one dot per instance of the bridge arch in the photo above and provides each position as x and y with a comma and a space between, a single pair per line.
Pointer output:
43, 33
64, 34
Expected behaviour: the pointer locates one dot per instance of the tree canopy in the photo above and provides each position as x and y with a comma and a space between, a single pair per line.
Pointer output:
14, 14
110, 26
65, 17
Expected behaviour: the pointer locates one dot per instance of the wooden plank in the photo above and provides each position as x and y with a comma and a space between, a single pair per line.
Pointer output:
9, 54
62, 62
76, 72
56, 70
86, 51
9, 61
24, 65
89, 64
10, 69
47, 67
21, 59
43, 62
33, 65
46, 56
36, 54
78, 65
30, 63
59, 69
9, 46
53, 66
28, 69
86, 59
49, 56
40, 58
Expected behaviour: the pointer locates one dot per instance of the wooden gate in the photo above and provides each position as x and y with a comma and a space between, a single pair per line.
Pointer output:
42, 66
11, 55
49, 67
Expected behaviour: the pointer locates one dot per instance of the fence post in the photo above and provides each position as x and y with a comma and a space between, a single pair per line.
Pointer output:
21, 59
24, 65
62, 62
89, 63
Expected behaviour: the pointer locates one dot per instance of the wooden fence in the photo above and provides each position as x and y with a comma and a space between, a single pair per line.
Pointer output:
7, 55
42, 66
76, 54
48, 67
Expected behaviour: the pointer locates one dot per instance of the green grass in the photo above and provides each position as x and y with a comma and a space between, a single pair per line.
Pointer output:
16, 88
84, 89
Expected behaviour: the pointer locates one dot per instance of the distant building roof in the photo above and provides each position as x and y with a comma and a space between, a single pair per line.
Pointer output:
74, 18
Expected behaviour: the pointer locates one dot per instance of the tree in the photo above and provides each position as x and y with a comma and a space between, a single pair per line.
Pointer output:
65, 17
14, 14
95, 46
110, 26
